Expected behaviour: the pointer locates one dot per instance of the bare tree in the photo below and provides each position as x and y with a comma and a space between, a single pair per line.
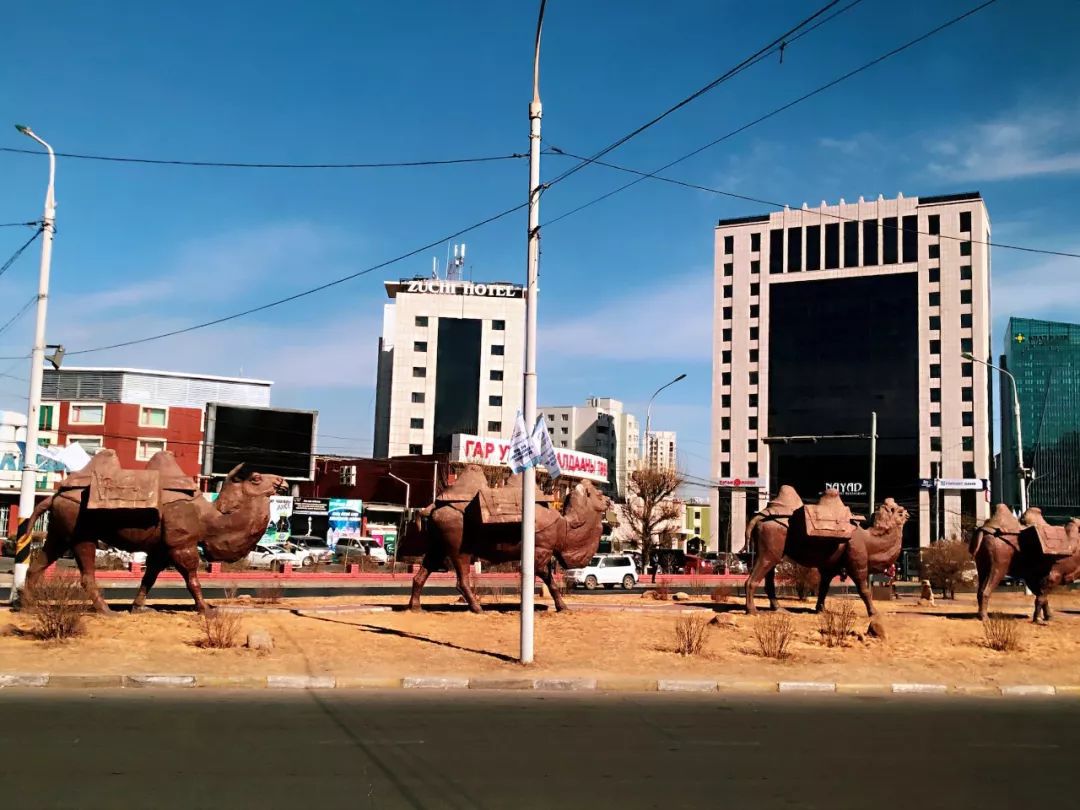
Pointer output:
649, 508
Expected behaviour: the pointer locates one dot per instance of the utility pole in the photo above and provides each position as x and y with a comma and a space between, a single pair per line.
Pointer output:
528, 478
1021, 472
873, 463
37, 358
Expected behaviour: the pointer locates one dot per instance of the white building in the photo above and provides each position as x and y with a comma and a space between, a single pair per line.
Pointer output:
450, 361
660, 450
600, 427
823, 316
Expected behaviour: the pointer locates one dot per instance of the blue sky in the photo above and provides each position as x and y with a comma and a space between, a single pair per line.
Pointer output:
989, 104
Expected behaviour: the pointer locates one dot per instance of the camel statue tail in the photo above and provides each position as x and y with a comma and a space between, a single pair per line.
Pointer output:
754, 521
26, 530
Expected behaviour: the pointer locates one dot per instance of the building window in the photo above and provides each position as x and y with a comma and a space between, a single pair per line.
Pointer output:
967, 419
496, 375
752, 400
86, 414
851, 244
776, 250
935, 299
755, 267
967, 394
551, 417
418, 397
419, 371
935, 418
966, 346
729, 269
565, 417
726, 313
755, 241
935, 395
755, 310
751, 469
935, 371
754, 331
45, 417
725, 423
416, 449
421, 320
935, 251
754, 355
419, 346
495, 401
416, 423
725, 469
965, 296
751, 445
967, 369
969, 469
794, 250
935, 323
565, 431
755, 289
890, 232
910, 240
965, 248
935, 347
146, 448
965, 272
968, 443
498, 349
832, 245
753, 378
91, 444
725, 445
935, 444
965, 320
725, 335
494, 427
725, 378
725, 356
813, 247
727, 291
965, 222
934, 275
498, 326
933, 224
725, 400
729, 245
869, 241
751, 422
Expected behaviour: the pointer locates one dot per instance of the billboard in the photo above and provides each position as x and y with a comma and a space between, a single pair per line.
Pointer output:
270, 440
344, 519
496, 453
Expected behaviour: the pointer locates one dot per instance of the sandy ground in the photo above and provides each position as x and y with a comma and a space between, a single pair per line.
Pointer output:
942, 644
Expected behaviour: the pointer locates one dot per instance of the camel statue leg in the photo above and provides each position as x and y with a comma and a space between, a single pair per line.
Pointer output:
155, 564
461, 566
770, 590
545, 572
996, 573
862, 585
825, 577
418, 582
186, 560
50, 553
84, 551
763, 565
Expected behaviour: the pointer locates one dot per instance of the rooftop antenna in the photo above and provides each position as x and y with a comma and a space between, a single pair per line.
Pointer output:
434, 266
454, 267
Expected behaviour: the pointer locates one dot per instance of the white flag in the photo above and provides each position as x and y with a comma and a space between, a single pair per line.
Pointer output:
522, 453
545, 450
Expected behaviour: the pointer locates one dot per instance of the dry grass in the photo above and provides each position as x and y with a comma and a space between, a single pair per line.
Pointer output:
690, 632
239, 565
724, 593
58, 605
837, 621
232, 591
662, 590
805, 581
774, 633
269, 594
1002, 632
221, 630
110, 562
698, 585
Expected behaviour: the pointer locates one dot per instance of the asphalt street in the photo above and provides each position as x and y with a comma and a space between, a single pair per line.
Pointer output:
500, 750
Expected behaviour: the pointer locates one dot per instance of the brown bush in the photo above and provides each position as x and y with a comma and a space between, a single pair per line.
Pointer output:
111, 562
269, 594
239, 565
690, 631
774, 633
232, 591
662, 590
58, 605
698, 585
804, 580
837, 621
724, 593
1002, 632
221, 630
946, 564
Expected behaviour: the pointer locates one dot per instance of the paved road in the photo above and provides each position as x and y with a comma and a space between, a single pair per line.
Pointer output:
331, 750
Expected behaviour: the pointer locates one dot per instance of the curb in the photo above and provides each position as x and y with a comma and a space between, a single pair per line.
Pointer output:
614, 684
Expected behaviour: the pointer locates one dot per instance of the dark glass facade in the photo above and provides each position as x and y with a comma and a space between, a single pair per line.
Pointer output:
1044, 356
840, 349
457, 370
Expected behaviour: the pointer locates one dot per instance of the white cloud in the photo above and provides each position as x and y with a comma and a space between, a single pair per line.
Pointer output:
848, 146
1026, 143
1050, 290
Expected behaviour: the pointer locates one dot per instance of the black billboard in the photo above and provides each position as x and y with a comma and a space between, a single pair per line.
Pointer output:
269, 440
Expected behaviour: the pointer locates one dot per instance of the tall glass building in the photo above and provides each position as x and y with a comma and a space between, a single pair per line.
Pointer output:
1044, 357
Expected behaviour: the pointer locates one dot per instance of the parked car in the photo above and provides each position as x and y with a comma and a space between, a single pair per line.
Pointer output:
312, 547
608, 570
356, 547
669, 560
274, 556
105, 552
726, 562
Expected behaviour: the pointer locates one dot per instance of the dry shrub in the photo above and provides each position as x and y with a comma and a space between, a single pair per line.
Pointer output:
110, 562
269, 594
837, 621
946, 563
774, 633
804, 580
232, 591
662, 590
221, 630
724, 593
239, 565
690, 632
58, 605
1002, 632
698, 585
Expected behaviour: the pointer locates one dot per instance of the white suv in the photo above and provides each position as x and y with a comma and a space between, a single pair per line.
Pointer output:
608, 570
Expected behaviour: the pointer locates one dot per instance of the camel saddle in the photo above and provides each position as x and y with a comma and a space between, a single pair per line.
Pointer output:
1051, 541
828, 519
112, 487
503, 505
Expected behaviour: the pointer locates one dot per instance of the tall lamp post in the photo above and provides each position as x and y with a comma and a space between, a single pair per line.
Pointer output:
37, 358
1021, 473
528, 478
648, 412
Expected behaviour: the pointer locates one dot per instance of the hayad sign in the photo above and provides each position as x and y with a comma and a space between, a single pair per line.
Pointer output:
496, 453
846, 487
441, 286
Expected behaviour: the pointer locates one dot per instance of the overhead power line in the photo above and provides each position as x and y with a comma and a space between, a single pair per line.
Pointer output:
18, 224
215, 164
25, 308
760, 119
15, 256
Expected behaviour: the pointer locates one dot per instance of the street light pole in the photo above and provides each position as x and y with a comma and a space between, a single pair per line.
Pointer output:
528, 478
1020, 471
37, 358
648, 412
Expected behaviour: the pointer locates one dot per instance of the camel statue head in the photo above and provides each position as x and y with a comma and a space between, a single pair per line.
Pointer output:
890, 515
241, 486
583, 502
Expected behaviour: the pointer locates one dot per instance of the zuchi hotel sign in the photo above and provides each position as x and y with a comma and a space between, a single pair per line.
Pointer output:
442, 286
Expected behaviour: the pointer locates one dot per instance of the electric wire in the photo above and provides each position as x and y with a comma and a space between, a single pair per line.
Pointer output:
19, 224
25, 308
15, 256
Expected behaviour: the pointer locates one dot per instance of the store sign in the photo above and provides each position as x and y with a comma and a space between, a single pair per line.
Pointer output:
314, 507
977, 484
345, 519
496, 453
744, 483
847, 487
441, 286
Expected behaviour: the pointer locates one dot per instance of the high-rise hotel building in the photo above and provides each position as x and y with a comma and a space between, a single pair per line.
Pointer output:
450, 361
826, 315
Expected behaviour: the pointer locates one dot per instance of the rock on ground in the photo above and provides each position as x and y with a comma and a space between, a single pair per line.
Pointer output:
681, 596
260, 640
